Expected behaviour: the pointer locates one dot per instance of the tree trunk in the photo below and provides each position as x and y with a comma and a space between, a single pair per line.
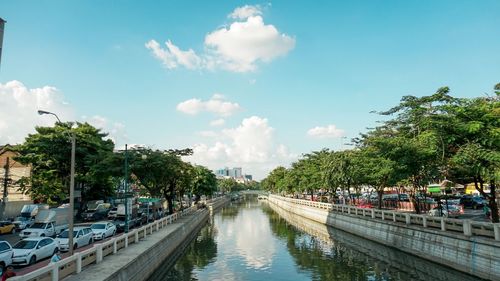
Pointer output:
492, 203
379, 194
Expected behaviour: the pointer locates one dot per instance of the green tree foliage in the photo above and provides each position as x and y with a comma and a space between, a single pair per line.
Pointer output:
426, 139
48, 152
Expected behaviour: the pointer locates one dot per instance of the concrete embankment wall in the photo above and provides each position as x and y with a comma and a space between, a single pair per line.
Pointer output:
140, 260
473, 255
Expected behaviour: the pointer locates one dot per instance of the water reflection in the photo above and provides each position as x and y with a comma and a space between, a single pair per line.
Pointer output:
254, 241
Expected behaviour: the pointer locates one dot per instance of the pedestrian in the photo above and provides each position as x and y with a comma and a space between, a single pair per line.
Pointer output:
55, 258
9, 272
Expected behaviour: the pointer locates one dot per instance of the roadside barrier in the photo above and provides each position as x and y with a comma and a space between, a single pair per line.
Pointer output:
466, 227
96, 254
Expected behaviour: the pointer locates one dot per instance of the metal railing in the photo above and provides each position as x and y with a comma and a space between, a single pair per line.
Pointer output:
75, 264
466, 227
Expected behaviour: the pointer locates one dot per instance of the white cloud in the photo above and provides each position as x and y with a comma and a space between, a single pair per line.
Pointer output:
216, 105
217, 122
238, 47
251, 145
19, 106
330, 131
246, 12
18, 115
116, 130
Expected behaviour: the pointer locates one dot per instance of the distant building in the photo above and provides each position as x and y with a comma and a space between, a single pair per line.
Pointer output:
234, 173
224, 172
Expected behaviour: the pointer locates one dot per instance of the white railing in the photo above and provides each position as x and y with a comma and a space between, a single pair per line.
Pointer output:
96, 254
466, 227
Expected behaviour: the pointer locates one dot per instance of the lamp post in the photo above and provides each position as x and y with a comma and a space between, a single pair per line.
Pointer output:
71, 185
126, 191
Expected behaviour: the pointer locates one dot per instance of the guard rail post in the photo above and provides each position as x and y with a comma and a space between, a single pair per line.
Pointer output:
496, 230
98, 253
54, 273
467, 227
78, 262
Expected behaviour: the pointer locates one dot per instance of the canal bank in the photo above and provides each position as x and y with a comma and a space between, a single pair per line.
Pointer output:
473, 255
139, 262
396, 263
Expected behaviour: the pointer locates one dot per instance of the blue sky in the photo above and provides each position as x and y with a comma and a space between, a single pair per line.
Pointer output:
288, 76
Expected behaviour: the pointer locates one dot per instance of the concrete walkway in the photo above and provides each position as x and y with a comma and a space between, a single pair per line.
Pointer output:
107, 269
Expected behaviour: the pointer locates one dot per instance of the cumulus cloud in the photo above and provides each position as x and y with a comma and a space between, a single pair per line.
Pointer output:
116, 130
18, 115
330, 131
217, 122
19, 106
250, 145
238, 47
216, 105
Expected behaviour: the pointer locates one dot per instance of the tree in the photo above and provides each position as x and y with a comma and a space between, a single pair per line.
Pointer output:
204, 182
48, 152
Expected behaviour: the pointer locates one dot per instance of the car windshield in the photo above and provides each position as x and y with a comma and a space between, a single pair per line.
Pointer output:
25, 244
98, 226
38, 225
65, 234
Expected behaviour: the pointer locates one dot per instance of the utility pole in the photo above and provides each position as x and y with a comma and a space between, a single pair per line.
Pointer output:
6, 180
126, 191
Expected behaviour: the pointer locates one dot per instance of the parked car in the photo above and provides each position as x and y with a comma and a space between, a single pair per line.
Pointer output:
23, 222
7, 227
451, 211
30, 250
474, 202
82, 236
112, 213
119, 222
103, 230
6, 254
96, 212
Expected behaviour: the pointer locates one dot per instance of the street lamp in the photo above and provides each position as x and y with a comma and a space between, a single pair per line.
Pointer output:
71, 185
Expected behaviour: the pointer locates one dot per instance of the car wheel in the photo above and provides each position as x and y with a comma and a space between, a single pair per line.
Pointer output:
32, 260
91, 241
43, 235
55, 251
114, 232
75, 246
13, 231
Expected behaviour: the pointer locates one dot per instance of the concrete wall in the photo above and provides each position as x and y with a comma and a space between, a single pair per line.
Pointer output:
146, 263
473, 255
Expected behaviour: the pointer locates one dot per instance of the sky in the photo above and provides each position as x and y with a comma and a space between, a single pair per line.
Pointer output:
244, 84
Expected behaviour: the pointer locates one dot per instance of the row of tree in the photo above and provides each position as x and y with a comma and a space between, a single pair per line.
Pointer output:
424, 140
100, 170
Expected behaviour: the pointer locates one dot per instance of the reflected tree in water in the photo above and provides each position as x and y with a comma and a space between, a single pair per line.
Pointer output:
324, 262
199, 254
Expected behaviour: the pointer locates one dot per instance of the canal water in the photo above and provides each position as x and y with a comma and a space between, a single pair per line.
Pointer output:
253, 240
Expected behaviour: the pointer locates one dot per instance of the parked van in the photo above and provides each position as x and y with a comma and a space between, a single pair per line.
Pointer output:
48, 223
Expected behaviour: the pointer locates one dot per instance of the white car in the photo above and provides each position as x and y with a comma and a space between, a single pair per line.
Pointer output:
6, 254
82, 236
103, 230
30, 250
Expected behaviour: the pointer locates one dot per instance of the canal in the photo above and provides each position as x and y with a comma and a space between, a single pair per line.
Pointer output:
253, 240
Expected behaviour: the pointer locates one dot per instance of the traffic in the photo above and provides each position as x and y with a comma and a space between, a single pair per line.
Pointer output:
40, 232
